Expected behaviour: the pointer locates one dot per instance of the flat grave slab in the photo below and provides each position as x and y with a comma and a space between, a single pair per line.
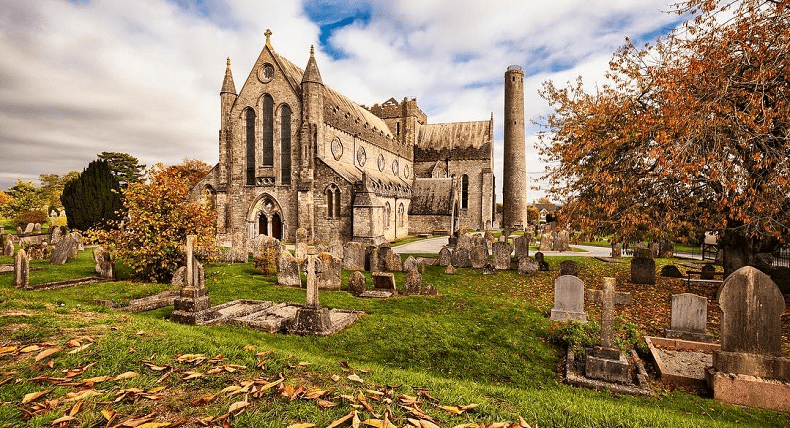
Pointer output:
377, 294
681, 362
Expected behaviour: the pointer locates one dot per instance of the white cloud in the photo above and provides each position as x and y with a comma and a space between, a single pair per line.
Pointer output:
143, 77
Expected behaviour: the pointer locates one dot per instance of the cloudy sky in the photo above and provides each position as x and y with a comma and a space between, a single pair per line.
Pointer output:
78, 77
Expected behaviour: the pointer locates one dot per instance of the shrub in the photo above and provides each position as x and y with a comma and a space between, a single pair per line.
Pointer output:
93, 199
267, 261
22, 218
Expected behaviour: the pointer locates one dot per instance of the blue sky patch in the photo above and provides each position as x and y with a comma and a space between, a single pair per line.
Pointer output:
332, 15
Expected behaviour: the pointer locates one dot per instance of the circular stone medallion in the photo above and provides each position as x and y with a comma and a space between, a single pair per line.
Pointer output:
337, 148
361, 156
395, 166
266, 72
381, 163
406, 171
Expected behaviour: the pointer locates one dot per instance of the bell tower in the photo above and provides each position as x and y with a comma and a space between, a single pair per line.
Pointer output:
514, 187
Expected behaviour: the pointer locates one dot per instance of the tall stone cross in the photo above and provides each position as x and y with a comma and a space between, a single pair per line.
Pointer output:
189, 278
608, 298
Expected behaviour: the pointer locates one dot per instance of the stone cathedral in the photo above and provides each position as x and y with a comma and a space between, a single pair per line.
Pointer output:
293, 152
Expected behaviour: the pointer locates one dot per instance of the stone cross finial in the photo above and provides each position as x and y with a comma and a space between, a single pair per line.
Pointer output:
608, 298
268, 34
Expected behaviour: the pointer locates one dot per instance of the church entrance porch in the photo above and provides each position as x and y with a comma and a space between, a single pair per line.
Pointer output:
265, 218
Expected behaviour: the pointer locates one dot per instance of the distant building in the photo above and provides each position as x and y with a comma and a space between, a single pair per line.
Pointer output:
294, 152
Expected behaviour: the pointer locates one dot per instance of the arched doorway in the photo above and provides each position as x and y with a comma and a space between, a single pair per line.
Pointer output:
277, 227
265, 217
263, 225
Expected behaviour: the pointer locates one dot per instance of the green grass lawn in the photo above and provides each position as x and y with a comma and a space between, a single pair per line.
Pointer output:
483, 341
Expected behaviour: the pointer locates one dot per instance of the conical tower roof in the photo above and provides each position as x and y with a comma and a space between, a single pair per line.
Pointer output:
227, 85
311, 73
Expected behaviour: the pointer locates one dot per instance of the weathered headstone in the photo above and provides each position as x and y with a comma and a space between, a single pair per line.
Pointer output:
410, 264
37, 228
501, 255
617, 250
372, 259
384, 281
430, 290
671, 271
288, 270
329, 276
489, 269
479, 256
55, 235
21, 269
546, 242
655, 249
445, 257
450, 270
605, 361
489, 237
105, 268
356, 283
29, 228
666, 249
465, 241
178, 276
527, 266
312, 318
337, 249
543, 265
461, 257
689, 318
749, 369
301, 235
569, 267
562, 243
643, 270
354, 256
65, 248
568, 299
312, 267
8, 245
522, 246
413, 282
392, 261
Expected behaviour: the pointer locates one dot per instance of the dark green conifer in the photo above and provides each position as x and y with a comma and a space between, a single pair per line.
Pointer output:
93, 199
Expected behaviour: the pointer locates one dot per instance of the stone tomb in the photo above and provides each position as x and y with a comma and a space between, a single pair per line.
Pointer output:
383, 286
543, 265
410, 264
479, 256
671, 271
461, 257
643, 270
8, 245
568, 299
546, 241
605, 361
749, 369
501, 255
689, 318
527, 266
413, 282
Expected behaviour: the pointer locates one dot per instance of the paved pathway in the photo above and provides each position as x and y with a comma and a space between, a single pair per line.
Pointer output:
434, 245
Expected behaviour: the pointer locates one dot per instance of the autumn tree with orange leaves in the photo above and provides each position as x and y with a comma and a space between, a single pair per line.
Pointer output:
691, 132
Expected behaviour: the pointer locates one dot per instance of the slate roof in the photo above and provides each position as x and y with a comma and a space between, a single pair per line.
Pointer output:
456, 141
432, 196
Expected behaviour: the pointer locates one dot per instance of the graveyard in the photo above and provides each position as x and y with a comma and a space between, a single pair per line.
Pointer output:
482, 352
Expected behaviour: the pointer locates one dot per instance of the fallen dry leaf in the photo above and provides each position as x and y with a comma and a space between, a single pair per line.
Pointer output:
355, 378
63, 419
154, 425
75, 408
109, 415
33, 396
126, 375
46, 353
301, 425
325, 404
204, 400
522, 423
29, 348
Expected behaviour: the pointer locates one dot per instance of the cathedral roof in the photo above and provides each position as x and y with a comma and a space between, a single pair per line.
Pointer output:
311, 73
377, 182
432, 196
459, 140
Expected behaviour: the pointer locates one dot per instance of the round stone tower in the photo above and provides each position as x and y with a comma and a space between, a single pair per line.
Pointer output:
514, 187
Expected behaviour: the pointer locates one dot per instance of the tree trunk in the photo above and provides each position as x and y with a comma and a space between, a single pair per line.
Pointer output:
739, 251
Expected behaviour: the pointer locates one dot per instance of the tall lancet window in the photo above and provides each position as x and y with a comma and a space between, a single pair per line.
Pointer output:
267, 128
464, 191
250, 128
285, 144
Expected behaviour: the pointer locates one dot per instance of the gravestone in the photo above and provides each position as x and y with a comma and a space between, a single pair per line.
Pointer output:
329, 275
312, 318
527, 266
37, 228
300, 252
29, 228
749, 368
562, 243
543, 265
413, 282
193, 302
301, 235
671, 271
643, 270
288, 270
450, 270
479, 256
372, 259
546, 241
605, 361
501, 255
410, 264
65, 248
707, 272
445, 257
384, 282
337, 249
522, 246
354, 256
105, 268
465, 241
461, 257
356, 283
489, 269
655, 249
617, 250
21, 269
8, 245
568, 299
38, 251
392, 261
55, 235
569, 267
489, 237
479, 241
689, 318
19, 230
178, 276
666, 249
641, 251
430, 290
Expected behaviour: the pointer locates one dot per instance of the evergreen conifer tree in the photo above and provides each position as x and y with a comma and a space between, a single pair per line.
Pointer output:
93, 199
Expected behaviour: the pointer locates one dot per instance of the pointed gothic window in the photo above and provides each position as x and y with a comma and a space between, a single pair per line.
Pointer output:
329, 202
267, 128
337, 203
464, 192
387, 214
401, 215
250, 125
285, 144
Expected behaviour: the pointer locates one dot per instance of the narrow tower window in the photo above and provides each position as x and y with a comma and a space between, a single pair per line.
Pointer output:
285, 145
329, 202
250, 125
337, 202
267, 121
464, 192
